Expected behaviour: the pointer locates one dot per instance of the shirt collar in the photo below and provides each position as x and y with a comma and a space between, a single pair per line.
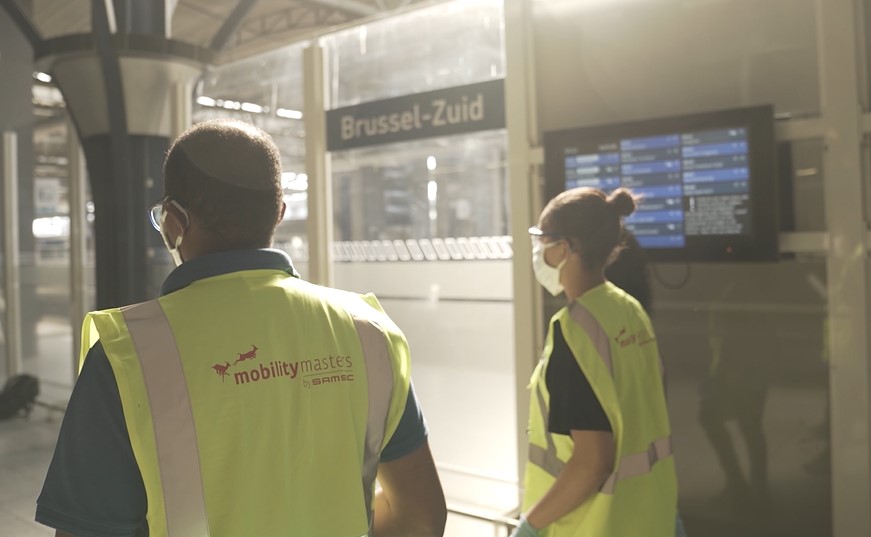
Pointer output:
210, 265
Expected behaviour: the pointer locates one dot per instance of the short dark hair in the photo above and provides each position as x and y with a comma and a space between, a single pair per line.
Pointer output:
590, 221
227, 174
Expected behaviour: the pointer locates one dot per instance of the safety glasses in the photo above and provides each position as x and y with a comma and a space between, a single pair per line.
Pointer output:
536, 234
155, 212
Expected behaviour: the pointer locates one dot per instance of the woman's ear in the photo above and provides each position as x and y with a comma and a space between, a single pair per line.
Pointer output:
572, 247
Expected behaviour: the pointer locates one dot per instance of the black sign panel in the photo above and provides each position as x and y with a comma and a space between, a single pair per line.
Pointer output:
461, 109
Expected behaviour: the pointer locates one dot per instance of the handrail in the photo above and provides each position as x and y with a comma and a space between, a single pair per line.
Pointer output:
471, 472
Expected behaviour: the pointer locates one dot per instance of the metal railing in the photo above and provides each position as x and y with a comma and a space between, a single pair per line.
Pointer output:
506, 521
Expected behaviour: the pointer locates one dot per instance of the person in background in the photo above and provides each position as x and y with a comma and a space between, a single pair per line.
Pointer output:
600, 457
243, 400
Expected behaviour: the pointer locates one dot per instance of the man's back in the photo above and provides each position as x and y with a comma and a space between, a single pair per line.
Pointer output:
277, 381
242, 401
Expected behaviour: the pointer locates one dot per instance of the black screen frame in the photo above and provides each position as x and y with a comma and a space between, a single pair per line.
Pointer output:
761, 244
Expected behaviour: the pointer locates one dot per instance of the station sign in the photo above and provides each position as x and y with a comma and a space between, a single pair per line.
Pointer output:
457, 110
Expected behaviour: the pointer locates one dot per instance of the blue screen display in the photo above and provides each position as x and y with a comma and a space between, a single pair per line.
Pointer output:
690, 183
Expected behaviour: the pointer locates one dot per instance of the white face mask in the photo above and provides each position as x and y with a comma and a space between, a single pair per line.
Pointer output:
173, 250
546, 275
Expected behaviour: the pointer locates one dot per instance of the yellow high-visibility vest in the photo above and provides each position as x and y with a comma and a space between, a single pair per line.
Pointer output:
256, 403
613, 341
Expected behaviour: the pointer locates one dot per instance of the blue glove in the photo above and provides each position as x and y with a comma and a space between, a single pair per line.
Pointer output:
679, 530
524, 529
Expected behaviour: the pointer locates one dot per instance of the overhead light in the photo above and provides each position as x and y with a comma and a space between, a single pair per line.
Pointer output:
431, 163
289, 114
42, 77
232, 105
253, 108
205, 101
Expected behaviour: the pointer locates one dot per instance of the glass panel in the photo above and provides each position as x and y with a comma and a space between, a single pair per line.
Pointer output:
47, 333
439, 47
437, 189
746, 353
745, 344
266, 90
423, 225
430, 242
636, 59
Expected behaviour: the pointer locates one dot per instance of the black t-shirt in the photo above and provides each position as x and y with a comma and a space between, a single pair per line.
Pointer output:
573, 404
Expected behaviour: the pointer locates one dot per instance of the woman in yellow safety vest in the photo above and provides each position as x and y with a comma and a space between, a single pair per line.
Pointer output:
600, 458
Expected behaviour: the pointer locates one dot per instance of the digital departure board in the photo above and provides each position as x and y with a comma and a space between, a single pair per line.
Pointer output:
707, 182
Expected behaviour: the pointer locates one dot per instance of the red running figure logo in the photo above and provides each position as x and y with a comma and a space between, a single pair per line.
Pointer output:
250, 355
620, 335
221, 369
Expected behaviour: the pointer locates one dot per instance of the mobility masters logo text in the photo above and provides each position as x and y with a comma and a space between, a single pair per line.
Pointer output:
318, 371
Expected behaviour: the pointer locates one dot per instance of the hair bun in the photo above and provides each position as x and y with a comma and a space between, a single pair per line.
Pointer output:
622, 201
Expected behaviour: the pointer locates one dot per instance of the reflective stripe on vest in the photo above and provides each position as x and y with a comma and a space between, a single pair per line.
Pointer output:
594, 330
545, 459
379, 378
637, 464
632, 465
172, 414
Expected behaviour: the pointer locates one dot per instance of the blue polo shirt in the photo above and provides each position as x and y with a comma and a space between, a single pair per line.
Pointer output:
93, 487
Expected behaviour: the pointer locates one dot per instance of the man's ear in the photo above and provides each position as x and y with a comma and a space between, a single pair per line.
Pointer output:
176, 221
281, 212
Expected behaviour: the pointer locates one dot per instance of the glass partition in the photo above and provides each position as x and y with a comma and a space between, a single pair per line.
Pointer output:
424, 225
745, 344
606, 62
745, 348
47, 301
266, 90
433, 189
448, 45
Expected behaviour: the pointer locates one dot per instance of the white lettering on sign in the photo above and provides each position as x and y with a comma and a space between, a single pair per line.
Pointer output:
440, 113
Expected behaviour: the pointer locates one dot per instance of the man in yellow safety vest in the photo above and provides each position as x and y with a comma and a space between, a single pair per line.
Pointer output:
243, 401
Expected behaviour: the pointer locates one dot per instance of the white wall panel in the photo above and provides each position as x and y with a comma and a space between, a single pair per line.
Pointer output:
602, 62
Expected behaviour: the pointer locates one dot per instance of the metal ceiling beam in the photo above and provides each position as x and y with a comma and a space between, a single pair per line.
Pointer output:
25, 26
200, 9
273, 26
231, 24
354, 7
